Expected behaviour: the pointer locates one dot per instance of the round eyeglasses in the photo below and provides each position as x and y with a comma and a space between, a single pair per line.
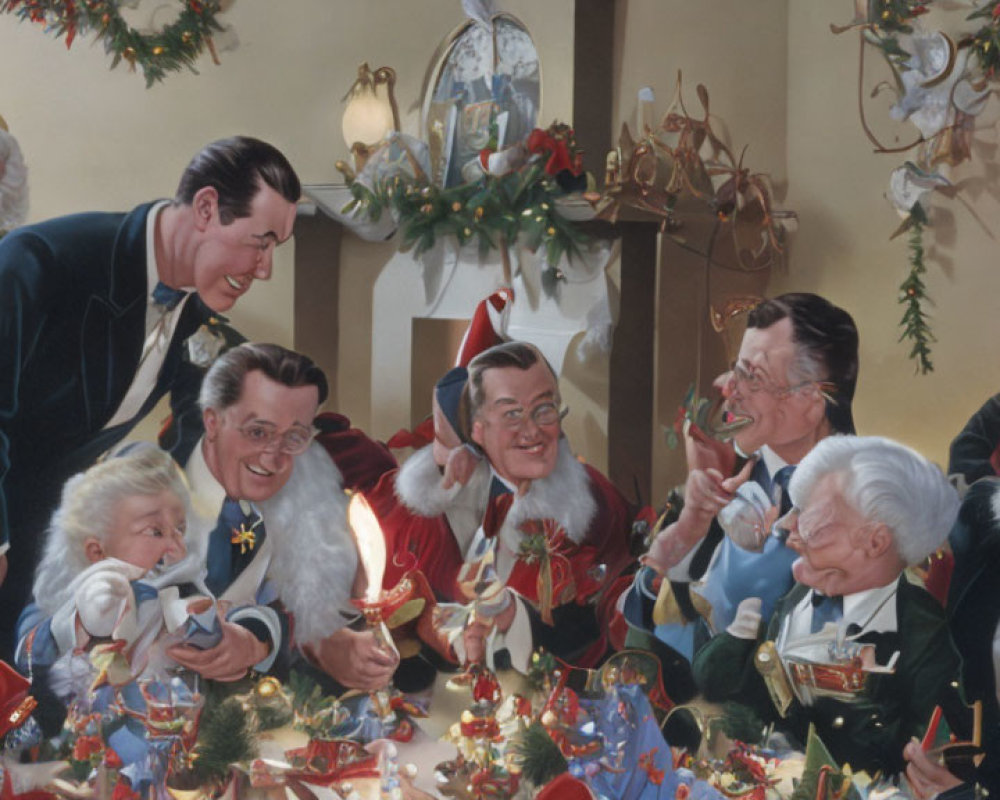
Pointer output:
265, 436
543, 414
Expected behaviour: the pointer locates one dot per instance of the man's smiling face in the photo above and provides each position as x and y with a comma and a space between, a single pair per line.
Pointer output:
789, 418
518, 424
248, 469
231, 256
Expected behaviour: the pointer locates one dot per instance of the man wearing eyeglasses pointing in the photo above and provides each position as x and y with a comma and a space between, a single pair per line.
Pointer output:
791, 387
530, 540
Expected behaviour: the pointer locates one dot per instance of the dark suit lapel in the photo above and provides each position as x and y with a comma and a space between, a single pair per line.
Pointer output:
113, 327
194, 314
784, 607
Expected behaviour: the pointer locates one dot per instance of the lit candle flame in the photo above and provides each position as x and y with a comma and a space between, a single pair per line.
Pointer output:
370, 542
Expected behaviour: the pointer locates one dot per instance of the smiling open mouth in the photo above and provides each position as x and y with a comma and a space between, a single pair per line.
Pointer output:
236, 284
264, 473
732, 423
721, 423
531, 449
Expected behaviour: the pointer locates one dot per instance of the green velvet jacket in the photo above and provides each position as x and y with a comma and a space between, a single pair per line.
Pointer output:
870, 732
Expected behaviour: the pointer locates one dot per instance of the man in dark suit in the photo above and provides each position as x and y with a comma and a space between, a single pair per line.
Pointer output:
94, 312
854, 649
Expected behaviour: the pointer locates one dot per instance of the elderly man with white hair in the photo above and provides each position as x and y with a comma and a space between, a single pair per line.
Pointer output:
854, 648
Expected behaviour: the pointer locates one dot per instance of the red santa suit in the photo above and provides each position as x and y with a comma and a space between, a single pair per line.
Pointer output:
556, 548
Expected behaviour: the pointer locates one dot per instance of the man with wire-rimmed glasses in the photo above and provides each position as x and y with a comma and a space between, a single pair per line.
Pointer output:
269, 517
791, 387
529, 539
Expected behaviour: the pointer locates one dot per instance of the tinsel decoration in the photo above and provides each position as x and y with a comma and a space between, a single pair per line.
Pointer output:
226, 736
538, 755
913, 296
941, 85
177, 45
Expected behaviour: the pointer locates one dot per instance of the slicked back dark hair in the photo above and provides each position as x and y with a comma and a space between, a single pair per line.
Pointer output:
826, 344
223, 384
237, 168
519, 355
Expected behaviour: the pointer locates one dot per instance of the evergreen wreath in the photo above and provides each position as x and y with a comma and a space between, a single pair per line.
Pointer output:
177, 45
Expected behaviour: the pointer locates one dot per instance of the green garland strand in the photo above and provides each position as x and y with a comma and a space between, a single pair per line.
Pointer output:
175, 46
913, 296
491, 211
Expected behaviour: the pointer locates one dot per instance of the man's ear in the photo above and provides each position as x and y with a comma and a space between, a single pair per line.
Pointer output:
210, 419
93, 549
477, 433
811, 404
205, 205
880, 541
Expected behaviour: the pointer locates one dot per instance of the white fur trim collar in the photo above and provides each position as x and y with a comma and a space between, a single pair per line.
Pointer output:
418, 486
315, 560
563, 496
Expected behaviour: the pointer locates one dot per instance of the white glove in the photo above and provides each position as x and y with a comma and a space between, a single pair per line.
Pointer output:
747, 620
101, 600
748, 517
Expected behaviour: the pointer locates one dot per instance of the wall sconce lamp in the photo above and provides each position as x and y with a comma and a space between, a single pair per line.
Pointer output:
371, 112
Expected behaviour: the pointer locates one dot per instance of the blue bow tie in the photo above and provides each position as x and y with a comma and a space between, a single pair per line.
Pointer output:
826, 608
167, 297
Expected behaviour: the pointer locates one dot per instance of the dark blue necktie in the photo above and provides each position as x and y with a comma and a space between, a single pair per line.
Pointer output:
825, 609
166, 296
143, 592
226, 559
780, 481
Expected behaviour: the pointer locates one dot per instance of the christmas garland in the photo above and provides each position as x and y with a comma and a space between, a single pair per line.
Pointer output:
495, 210
947, 143
167, 50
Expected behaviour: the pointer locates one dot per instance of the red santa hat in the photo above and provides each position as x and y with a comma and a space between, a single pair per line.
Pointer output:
488, 326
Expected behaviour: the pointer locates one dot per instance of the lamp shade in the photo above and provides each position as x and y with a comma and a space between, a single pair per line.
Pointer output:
371, 107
